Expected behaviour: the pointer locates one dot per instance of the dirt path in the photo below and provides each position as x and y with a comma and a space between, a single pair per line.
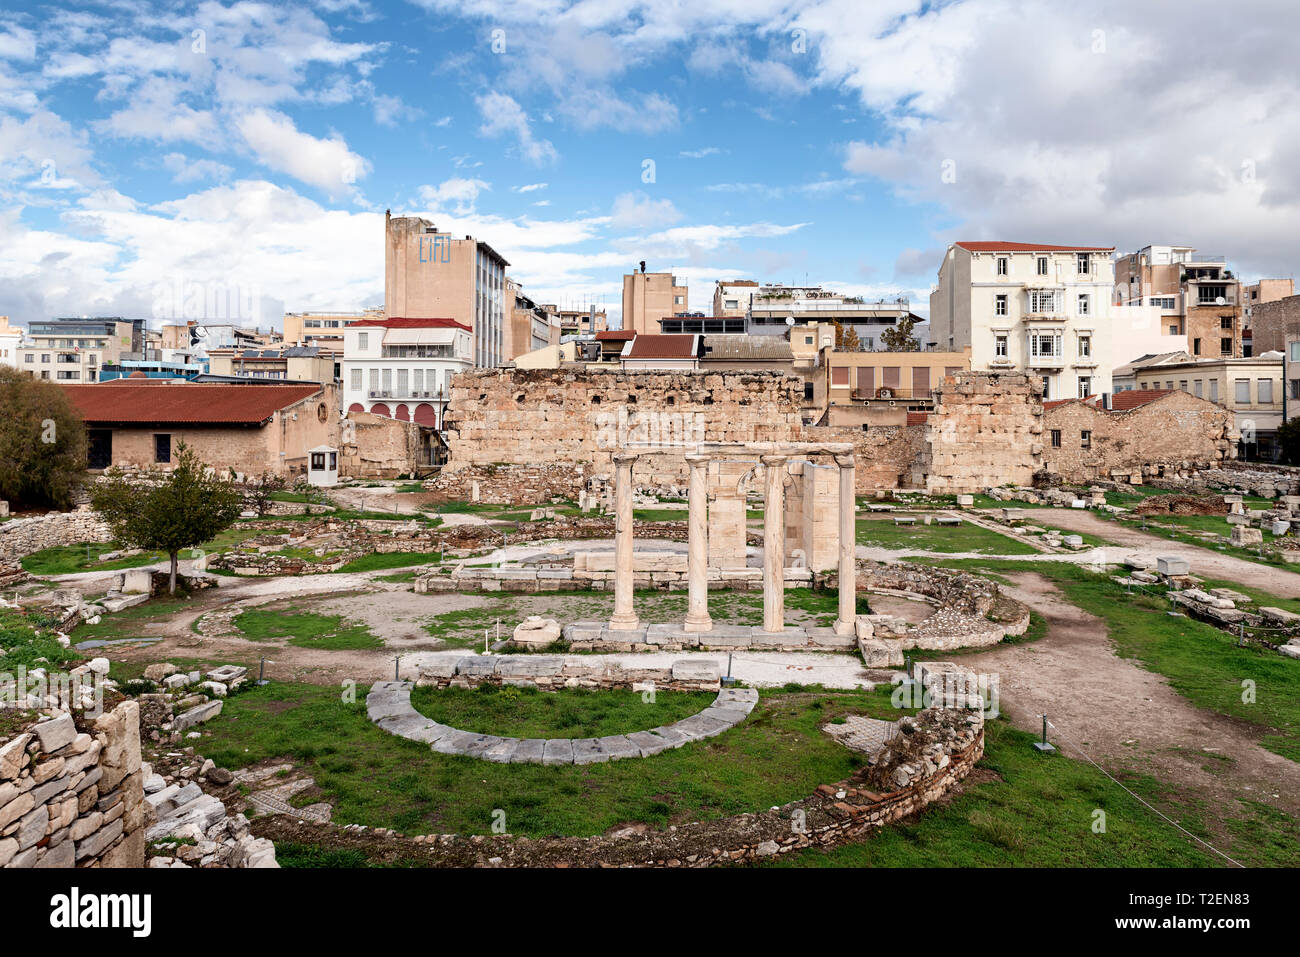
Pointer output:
1124, 716
1206, 562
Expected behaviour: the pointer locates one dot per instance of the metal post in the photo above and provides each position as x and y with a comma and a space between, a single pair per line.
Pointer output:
1043, 745
261, 672
397, 664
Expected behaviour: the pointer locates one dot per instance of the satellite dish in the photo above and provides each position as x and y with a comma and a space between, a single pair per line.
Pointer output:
1220, 301
789, 320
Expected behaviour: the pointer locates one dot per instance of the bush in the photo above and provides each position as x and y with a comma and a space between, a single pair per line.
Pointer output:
42, 441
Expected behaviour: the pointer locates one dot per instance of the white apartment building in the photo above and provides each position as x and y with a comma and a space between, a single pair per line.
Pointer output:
11, 337
1026, 307
402, 368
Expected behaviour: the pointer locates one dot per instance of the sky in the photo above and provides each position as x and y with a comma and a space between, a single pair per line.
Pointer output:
168, 160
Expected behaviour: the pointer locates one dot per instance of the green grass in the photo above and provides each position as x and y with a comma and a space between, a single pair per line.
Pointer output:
1202, 663
128, 622
883, 533
571, 713
29, 642
1039, 812
778, 754
69, 559
304, 629
660, 514
1183, 528
380, 560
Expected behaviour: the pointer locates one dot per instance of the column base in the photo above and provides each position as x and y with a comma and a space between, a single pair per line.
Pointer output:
846, 627
624, 623
698, 624
767, 629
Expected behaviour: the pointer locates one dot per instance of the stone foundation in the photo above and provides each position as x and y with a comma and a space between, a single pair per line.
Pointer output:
20, 537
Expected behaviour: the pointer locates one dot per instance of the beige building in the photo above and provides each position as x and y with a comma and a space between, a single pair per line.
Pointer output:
75, 350
300, 328
1027, 307
1198, 295
1270, 306
528, 326
283, 362
650, 297
732, 298
1251, 388
434, 275
879, 387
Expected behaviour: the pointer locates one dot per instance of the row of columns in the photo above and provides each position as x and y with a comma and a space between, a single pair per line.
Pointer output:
697, 549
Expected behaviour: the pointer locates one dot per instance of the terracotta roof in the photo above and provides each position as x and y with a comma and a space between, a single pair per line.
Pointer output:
1132, 398
157, 402
616, 335
999, 247
397, 322
662, 346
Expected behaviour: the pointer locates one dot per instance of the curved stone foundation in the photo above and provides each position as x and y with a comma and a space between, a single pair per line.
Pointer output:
389, 706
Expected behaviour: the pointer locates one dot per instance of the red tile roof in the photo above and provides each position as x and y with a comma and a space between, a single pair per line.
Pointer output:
662, 346
1132, 398
397, 322
1000, 247
616, 335
156, 402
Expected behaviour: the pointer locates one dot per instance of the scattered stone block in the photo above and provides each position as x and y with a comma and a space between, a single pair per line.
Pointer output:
1172, 566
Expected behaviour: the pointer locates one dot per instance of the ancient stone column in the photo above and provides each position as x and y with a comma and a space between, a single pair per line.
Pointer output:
774, 543
697, 554
846, 623
624, 618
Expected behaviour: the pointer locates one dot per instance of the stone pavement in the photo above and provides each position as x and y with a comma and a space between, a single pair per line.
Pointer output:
860, 733
389, 706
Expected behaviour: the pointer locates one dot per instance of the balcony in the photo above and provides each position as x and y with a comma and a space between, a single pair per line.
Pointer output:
890, 393
1047, 361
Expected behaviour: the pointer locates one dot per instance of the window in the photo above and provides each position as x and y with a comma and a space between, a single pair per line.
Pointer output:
318, 461
1000, 305
808, 393
386, 377
1196, 347
1084, 302
31, 358
1295, 351
1264, 389
417, 380
403, 383
807, 340
1056, 438
1085, 439
1047, 387
1002, 265
1197, 388
363, 340
1042, 301
1225, 322
1083, 259
1085, 386
1243, 391
374, 380
1173, 330
1206, 295
1000, 344
1182, 385
1295, 388
1042, 265
678, 300
162, 447
1085, 347
1214, 390
1045, 345
1225, 347
356, 380
45, 357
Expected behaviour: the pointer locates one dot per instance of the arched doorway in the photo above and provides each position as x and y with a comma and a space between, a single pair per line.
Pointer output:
402, 413
381, 408
426, 414
356, 407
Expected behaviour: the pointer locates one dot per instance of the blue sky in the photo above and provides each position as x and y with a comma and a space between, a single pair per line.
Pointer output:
146, 146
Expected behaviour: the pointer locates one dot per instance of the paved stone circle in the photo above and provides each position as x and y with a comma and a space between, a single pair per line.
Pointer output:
389, 706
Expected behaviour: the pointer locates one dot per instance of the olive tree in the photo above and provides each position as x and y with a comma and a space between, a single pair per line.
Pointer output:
184, 510
42, 441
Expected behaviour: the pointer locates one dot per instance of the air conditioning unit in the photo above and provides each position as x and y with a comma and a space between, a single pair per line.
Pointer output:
374, 395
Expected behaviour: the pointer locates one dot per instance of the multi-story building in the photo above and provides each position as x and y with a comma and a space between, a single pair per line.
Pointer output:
301, 328
11, 337
1199, 296
649, 297
402, 367
74, 350
579, 322
1028, 307
774, 309
282, 363
1270, 306
433, 275
529, 326
732, 298
1250, 387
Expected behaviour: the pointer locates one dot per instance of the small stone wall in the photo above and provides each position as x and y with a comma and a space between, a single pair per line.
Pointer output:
552, 672
71, 793
20, 537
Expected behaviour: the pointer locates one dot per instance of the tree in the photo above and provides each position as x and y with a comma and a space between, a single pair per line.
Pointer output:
186, 509
846, 339
263, 491
42, 441
1288, 440
899, 338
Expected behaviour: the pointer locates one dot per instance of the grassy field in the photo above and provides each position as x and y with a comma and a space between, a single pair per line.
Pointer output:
377, 779
883, 533
571, 713
1202, 663
21, 645
68, 559
304, 629
376, 561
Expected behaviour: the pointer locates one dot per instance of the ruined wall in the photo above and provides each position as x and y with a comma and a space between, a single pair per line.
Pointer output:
887, 456
20, 537
986, 430
532, 416
73, 797
376, 446
1176, 433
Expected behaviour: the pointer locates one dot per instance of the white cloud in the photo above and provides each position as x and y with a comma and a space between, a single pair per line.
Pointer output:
280, 145
185, 170
156, 113
460, 194
528, 187
700, 153
637, 210
502, 115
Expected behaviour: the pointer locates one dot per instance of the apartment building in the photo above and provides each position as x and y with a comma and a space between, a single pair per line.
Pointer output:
529, 326
774, 309
11, 337
1250, 387
861, 388
430, 274
1270, 307
1198, 295
649, 297
402, 367
580, 322
731, 298
74, 350
282, 363
1028, 307
301, 328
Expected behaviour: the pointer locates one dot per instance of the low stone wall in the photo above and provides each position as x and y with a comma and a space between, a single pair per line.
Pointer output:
71, 793
552, 672
20, 537
511, 484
